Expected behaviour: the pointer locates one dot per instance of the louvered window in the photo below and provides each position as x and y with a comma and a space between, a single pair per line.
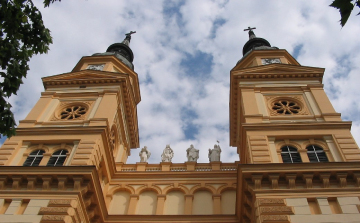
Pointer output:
57, 158
290, 154
34, 158
316, 154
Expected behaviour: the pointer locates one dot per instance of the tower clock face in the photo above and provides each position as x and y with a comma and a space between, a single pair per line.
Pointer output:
270, 60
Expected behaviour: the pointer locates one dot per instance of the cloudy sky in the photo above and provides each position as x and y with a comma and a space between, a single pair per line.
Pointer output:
184, 51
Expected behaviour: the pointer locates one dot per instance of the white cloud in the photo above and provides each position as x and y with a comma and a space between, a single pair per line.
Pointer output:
164, 39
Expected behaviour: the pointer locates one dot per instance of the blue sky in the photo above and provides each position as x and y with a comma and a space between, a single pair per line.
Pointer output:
184, 51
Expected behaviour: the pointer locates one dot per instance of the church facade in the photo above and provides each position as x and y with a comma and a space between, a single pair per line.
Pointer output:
67, 163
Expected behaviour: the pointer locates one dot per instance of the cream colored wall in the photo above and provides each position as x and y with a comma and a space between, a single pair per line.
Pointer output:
19, 212
43, 111
120, 203
333, 149
273, 151
147, 203
228, 200
174, 203
182, 199
202, 203
315, 98
326, 214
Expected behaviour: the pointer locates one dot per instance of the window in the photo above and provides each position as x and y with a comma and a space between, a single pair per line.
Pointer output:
73, 112
34, 158
286, 107
57, 158
290, 154
316, 154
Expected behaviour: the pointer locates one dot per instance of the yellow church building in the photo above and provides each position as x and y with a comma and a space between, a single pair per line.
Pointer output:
67, 163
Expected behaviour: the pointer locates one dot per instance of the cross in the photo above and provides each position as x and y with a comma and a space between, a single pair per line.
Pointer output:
132, 32
249, 29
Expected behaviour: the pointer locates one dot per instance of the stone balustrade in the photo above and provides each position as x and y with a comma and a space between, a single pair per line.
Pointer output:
177, 167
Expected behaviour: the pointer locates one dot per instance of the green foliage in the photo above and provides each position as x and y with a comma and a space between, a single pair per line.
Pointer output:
22, 34
47, 2
345, 8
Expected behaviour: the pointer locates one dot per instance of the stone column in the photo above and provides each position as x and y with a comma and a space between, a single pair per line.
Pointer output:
132, 204
188, 204
45, 159
216, 204
160, 204
304, 156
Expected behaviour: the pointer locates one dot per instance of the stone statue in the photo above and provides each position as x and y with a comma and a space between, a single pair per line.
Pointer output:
192, 154
214, 154
144, 154
167, 154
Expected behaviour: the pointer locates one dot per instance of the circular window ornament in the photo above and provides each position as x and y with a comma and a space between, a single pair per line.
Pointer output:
286, 107
72, 111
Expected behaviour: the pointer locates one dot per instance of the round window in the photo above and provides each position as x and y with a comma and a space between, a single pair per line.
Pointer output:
286, 107
73, 112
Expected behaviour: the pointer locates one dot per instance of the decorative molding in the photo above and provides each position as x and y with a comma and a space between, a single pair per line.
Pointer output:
56, 218
75, 115
298, 108
56, 211
95, 66
62, 202
275, 218
278, 76
271, 201
276, 210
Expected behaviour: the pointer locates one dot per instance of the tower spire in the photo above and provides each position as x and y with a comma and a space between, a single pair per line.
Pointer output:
127, 39
122, 51
251, 32
255, 43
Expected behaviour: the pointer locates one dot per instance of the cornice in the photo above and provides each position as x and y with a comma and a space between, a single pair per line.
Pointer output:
174, 174
69, 181
287, 180
172, 218
61, 130
278, 71
83, 75
59, 170
297, 125
299, 167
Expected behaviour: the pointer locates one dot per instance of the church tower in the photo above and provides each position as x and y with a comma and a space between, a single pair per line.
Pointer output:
67, 163
84, 123
295, 150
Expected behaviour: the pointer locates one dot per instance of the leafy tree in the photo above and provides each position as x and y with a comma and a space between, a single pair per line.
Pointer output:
22, 34
345, 8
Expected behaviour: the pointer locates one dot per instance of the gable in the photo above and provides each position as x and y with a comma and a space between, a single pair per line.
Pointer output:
278, 69
84, 75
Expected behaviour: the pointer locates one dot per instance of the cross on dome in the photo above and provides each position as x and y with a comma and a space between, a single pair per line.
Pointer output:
251, 32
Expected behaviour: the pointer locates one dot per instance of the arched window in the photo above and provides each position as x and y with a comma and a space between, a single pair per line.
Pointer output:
57, 158
316, 154
34, 158
290, 154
